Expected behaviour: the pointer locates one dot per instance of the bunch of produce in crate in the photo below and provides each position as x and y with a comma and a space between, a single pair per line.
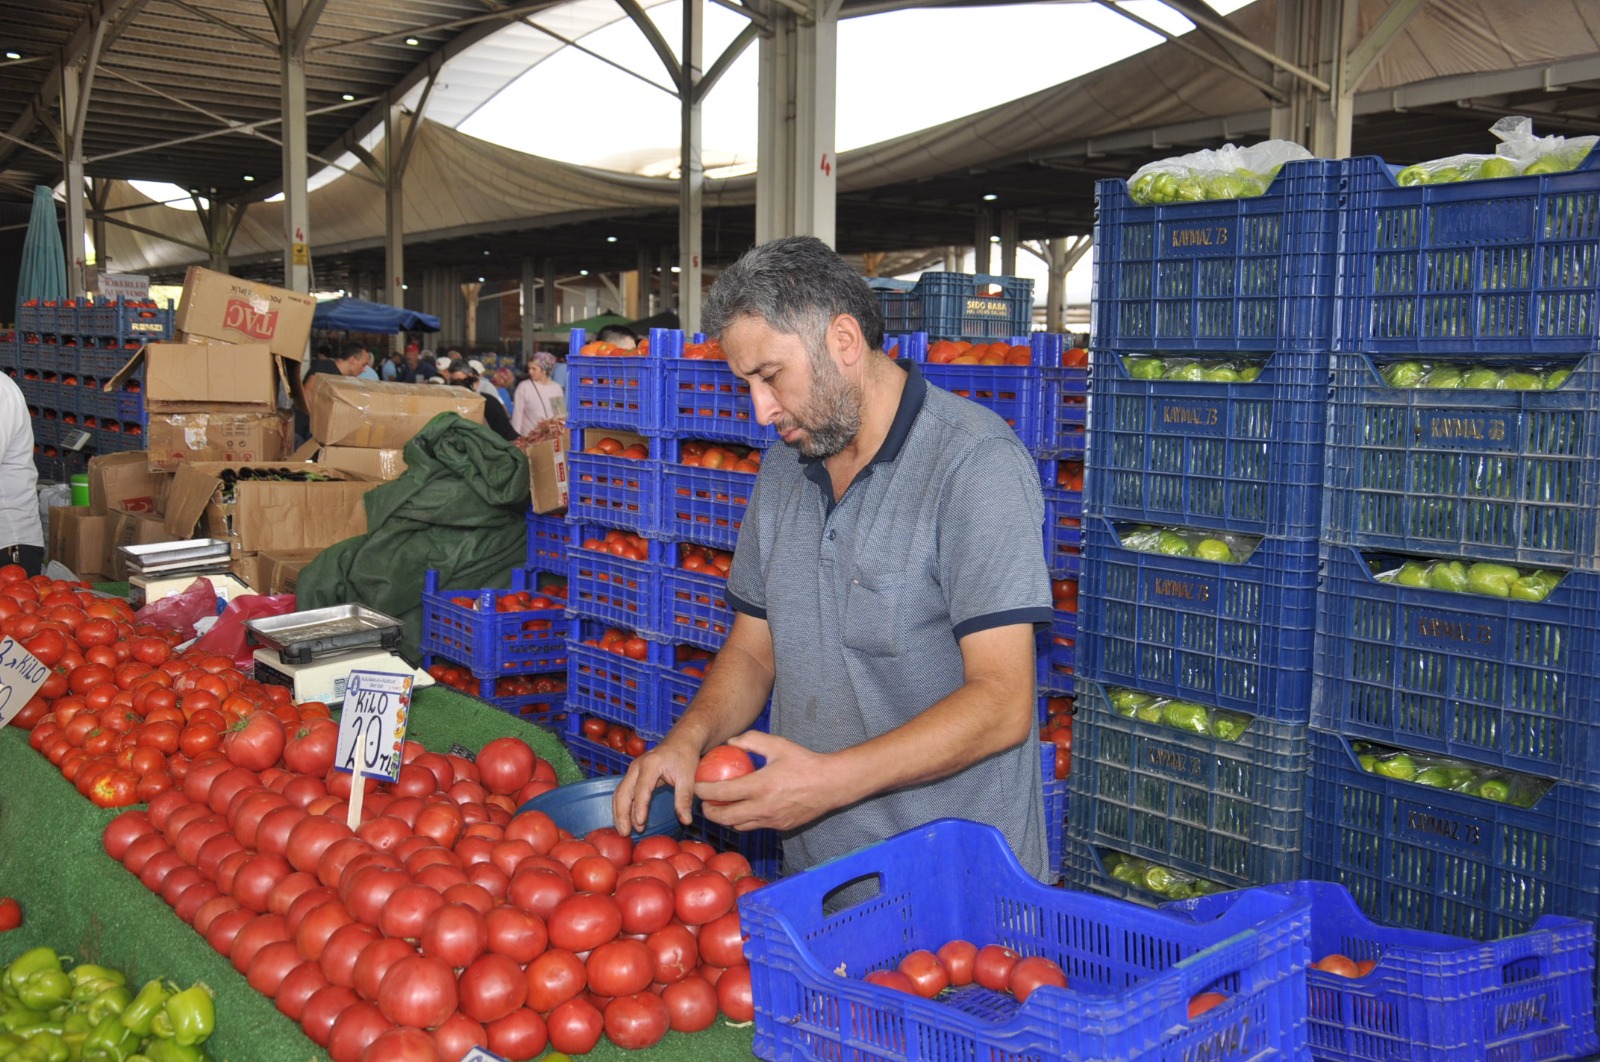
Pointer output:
1449, 376
1178, 714
1185, 542
1154, 878
1520, 153
1488, 578
1447, 772
1192, 370
1228, 172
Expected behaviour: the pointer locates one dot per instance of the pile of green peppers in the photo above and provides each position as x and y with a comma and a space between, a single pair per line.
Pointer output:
49, 1013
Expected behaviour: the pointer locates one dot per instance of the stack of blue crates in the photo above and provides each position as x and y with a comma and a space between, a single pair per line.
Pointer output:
1502, 274
61, 359
1251, 282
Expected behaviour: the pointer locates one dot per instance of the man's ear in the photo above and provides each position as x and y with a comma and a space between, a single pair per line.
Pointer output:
846, 339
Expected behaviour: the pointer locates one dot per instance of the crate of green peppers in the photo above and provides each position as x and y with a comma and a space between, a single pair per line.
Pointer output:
1088, 867
1216, 794
1481, 854
1487, 662
52, 1010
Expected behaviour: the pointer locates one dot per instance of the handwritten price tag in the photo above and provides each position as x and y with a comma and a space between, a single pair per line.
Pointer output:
372, 729
21, 675
478, 1054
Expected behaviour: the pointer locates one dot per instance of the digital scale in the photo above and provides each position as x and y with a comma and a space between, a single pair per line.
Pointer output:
162, 569
312, 653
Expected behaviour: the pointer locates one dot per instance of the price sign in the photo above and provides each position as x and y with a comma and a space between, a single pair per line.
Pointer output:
21, 675
372, 729
478, 1054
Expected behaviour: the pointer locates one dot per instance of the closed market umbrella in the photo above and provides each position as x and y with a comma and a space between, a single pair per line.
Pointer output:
44, 264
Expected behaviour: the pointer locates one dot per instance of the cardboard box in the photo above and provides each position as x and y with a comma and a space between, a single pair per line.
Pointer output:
78, 540
188, 377
547, 473
124, 481
375, 464
253, 568
131, 529
346, 411
264, 514
285, 566
176, 439
232, 310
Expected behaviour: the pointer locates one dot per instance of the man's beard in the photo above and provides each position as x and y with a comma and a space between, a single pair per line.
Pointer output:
831, 418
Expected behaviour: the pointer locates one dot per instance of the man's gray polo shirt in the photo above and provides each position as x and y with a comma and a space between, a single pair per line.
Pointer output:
939, 536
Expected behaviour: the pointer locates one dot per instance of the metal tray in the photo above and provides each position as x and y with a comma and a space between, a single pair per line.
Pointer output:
301, 636
161, 557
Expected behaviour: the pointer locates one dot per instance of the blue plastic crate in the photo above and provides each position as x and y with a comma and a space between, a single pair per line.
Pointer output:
614, 491
126, 320
704, 399
677, 690
593, 758
1131, 971
1227, 811
1493, 267
93, 402
1437, 998
612, 589
694, 608
30, 384
548, 541
487, 642
704, 505
1063, 531
1225, 276
1236, 636
100, 362
542, 709
960, 306
1425, 858
1011, 391
30, 318
1509, 476
1063, 411
1515, 684
763, 848
613, 686
618, 392
45, 431
1056, 661
50, 469
29, 354
1055, 809
130, 406
1240, 457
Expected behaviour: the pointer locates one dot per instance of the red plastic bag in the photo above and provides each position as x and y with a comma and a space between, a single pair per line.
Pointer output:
181, 611
229, 637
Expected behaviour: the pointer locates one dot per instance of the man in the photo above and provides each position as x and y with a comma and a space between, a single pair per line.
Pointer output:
354, 359
21, 533
393, 366
886, 583
620, 336
459, 374
484, 386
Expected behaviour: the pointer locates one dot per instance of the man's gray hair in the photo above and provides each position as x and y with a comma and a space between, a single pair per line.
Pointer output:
796, 284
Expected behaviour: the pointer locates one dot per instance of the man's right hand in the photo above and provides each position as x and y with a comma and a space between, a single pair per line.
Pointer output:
669, 763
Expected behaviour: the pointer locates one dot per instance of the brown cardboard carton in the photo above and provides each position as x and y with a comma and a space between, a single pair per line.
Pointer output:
186, 377
217, 306
123, 481
285, 566
547, 472
346, 411
253, 569
78, 540
261, 514
131, 529
175, 439
375, 464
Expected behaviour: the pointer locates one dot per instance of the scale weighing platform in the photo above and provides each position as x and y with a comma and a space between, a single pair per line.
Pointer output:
312, 653
162, 569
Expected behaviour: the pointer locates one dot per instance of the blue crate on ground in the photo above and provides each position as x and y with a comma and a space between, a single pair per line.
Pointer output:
705, 400
694, 607
614, 686
1256, 274
612, 589
1438, 998
704, 505
1239, 457
488, 642
961, 306
1510, 476
1132, 972
763, 848
1420, 857
543, 708
1493, 267
593, 758
617, 392
1227, 811
548, 540
614, 491
1231, 635
1510, 683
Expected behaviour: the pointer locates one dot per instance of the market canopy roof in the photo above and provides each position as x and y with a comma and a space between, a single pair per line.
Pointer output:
358, 315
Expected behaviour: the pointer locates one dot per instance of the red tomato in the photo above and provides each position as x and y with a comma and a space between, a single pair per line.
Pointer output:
691, 1004
10, 914
340, 951
297, 988
408, 910
123, 830
309, 749
927, 972
375, 961
269, 966
575, 1027
515, 934
492, 987
505, 765
892, 979
553, 978
418, 990
675, 951
354, 1030
992, 967
400, 1045
594, 873
255, 742
702, 895
583, 921
322, 1008
721, 943
646, 904
1201, 1002
722, 763
254, 935
1033, 972
455, 933
620, 968
636, 1021
520, 1034
459, 1035
539, 890
958, 957
319, 924
734, 995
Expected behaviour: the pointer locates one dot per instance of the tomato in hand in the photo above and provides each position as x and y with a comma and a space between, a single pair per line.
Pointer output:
722, 763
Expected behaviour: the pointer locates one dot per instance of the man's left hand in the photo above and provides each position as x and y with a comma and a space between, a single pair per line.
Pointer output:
795, 787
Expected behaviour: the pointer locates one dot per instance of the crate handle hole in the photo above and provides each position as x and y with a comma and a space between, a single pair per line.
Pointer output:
1527, 968
852, 893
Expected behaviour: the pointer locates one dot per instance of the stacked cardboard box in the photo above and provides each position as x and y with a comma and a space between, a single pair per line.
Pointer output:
363, 425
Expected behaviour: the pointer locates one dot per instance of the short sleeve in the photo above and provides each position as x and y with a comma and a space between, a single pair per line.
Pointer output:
747, 590
991, 540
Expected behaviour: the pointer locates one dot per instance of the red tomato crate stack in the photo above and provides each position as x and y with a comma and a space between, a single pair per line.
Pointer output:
61, 356
506, 646
1202, 511
1454, 787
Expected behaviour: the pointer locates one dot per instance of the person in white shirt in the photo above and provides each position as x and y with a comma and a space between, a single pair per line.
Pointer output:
538, 398
21, 534
485, 386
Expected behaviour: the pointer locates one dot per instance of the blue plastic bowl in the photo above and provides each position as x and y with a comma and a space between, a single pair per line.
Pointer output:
579, 807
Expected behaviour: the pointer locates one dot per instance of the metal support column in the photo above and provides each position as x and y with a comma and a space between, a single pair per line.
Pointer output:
816, 91
530, 304
775, 129
550, 319
1008, 243
75, 85
99, 196
394, 210
294, 30
982, 229
692, 175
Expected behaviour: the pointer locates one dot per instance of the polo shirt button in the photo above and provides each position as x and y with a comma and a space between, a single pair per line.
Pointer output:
832, 535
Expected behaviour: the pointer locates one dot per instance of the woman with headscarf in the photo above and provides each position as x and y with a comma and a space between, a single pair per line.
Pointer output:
538, 398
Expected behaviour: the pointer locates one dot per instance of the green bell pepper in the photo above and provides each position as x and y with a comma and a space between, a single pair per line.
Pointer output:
140, 1015
16, 1016
89, 980
37, 980
187, 1017
110, 1041
108, 1004
169, 1051
45, 1045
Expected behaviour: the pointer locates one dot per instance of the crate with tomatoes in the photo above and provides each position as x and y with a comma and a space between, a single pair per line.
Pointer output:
495, 633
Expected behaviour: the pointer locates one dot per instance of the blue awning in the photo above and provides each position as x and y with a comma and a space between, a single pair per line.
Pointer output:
359, 315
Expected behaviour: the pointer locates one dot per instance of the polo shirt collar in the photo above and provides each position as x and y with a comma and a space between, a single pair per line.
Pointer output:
911, 399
